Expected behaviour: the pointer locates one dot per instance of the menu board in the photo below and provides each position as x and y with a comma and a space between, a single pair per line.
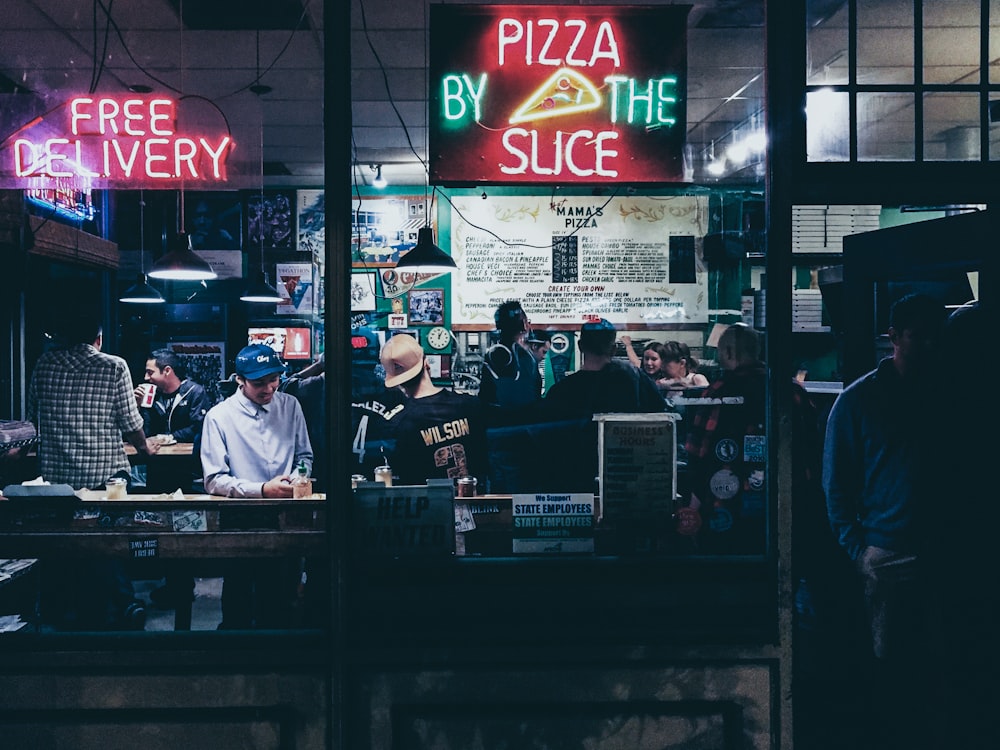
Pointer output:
631, 260
638, 464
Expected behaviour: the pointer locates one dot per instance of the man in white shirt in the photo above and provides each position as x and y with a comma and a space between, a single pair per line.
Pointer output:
251, 444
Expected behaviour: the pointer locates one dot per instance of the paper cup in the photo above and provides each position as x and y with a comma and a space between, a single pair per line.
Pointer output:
148, 395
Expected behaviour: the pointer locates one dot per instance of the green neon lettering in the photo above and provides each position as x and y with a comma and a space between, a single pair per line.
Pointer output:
457, 91
643, 103
476, 93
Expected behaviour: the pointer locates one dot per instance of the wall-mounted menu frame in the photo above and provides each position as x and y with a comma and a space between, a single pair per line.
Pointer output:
634, 260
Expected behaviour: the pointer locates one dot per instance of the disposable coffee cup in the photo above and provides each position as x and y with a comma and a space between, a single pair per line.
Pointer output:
383, 474
116, 489
148, 395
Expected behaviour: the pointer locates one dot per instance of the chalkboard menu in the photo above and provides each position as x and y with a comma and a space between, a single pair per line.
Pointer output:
564, 260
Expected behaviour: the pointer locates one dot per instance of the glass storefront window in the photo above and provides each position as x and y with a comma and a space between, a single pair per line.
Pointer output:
885, 42
951, 126
827, 125
827, 42
885, 127
882, 84
661, 275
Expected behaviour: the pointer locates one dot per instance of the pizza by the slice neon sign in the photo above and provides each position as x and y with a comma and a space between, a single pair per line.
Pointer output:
540, 94
116, 141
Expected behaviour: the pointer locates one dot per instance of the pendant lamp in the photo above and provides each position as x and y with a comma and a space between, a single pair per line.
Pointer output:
141, 293
260, 290
182, 263
426, 257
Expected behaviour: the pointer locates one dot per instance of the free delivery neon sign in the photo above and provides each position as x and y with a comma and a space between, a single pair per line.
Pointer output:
116, 142
554, 94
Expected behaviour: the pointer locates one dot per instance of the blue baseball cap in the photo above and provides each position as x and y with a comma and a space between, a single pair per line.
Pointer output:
598, 325
257, 361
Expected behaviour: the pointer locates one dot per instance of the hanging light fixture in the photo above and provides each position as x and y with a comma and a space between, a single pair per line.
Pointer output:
260, 289
426, 257
182, 263
379, 181
141, 293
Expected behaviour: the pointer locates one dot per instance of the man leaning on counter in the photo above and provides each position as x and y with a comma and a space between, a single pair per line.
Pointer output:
251, 445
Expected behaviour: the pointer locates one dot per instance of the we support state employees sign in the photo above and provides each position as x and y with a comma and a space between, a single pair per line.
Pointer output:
544, 94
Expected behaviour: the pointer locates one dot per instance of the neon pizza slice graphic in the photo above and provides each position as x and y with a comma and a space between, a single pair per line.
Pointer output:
565, 92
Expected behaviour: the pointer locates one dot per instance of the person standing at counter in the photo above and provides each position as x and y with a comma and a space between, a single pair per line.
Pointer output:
177, 414
509, 377
251, 444
727, 447
439, 433
602, 384
81, 402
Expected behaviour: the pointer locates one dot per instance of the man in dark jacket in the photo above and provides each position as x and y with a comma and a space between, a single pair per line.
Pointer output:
879, 461
176, 415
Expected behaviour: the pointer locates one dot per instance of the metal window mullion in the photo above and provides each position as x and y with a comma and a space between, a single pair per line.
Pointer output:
918, 81
852, 80
984, 81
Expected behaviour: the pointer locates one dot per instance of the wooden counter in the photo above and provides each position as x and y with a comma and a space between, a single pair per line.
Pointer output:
144, 528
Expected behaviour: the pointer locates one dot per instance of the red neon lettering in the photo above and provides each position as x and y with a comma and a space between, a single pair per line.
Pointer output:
76, 115
107, 112
126, 164
549, 41
187, 154
156, 116
151, 157
128, 109
569, 149
55, 156
110, 140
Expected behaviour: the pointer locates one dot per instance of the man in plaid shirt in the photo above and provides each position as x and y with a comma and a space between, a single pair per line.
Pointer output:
82, 404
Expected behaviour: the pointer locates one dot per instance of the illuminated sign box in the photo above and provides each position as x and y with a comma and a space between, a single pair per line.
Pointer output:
114, 141
547, 94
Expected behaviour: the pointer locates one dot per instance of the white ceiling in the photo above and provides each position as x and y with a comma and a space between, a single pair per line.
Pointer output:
52, 48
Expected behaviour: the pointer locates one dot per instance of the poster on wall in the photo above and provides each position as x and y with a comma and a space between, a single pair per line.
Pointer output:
270, 219
575, 258
205, 362
213, 220
311, 215
295, 285
384, 228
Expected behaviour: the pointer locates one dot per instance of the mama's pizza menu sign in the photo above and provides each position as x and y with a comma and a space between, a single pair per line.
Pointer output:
632, 259
541, 94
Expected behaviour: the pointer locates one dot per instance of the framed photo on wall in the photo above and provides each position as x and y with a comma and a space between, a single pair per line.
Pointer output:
363, 292
426, 307
385, 228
